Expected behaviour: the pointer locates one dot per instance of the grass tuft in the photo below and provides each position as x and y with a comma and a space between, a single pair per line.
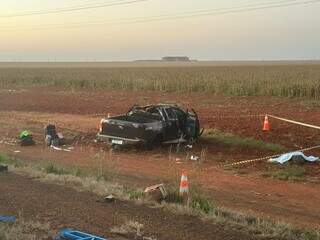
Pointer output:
201, 203
25, 230
4, 159
290, 172
229, 139
55, 169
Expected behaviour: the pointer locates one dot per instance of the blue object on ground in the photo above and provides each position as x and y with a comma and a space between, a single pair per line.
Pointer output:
286, 157
77, 235
7, 219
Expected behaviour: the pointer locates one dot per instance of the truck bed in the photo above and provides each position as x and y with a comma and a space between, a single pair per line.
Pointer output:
135, 118
129, 127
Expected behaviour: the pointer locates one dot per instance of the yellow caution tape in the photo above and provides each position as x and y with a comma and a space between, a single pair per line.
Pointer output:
294, 122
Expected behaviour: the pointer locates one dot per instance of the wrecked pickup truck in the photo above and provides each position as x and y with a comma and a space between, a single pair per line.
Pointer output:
151, 125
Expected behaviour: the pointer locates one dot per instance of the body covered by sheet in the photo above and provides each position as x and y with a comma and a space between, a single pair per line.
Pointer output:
288, 156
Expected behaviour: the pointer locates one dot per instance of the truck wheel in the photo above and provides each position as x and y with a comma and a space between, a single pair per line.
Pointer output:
157, 141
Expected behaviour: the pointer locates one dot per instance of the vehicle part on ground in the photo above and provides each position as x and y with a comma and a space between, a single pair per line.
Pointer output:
156, 192
7, 219
68, 234
151, 125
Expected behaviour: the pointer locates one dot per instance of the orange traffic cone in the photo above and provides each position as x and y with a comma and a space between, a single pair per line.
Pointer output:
266, 125
184, 185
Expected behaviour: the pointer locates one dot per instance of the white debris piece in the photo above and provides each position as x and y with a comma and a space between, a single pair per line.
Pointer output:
194, 158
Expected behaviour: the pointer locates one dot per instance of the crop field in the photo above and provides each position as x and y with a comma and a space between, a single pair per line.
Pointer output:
259, 200
293, 80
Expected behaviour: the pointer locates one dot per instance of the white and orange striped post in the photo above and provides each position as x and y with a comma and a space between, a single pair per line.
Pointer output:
184, 187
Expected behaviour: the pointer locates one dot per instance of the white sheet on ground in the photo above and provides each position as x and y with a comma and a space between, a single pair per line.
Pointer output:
288, 156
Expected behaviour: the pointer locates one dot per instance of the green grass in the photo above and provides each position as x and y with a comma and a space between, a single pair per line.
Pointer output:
133, 193
25, 230
290, 172
231, 140
173, 197
201, 203
54, 169
294, 81
4, 159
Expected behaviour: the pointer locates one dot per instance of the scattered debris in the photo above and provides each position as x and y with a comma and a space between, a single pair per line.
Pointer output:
3, 168
68, 234
56, 148
110, 199
7, 219
11, 142
194, 158
297, 156
178, 160
156, 192
26, 138
189, 146
61, 149
148, 238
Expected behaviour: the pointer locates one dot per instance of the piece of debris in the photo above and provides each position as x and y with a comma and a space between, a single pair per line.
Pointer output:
156, 192
7, 219
3, 168
110, 199
11, 142
194, 158
26, 138
68, 234
148, 238
189, 146
297, 156
56, 148
60, 149
17, 151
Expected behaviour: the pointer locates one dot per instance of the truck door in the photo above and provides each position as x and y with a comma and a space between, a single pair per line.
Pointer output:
172, 128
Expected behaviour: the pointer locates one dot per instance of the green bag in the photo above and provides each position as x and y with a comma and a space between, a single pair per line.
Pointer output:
25, 134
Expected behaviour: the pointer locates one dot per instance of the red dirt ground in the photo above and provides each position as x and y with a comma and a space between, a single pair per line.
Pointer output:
64, 207
293, 202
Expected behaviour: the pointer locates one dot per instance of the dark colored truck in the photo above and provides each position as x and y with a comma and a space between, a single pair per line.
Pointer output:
151, 125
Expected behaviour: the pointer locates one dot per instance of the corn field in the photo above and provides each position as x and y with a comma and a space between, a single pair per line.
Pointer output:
294, 81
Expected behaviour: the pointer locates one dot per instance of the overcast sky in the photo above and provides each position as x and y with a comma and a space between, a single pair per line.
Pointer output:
291, 32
